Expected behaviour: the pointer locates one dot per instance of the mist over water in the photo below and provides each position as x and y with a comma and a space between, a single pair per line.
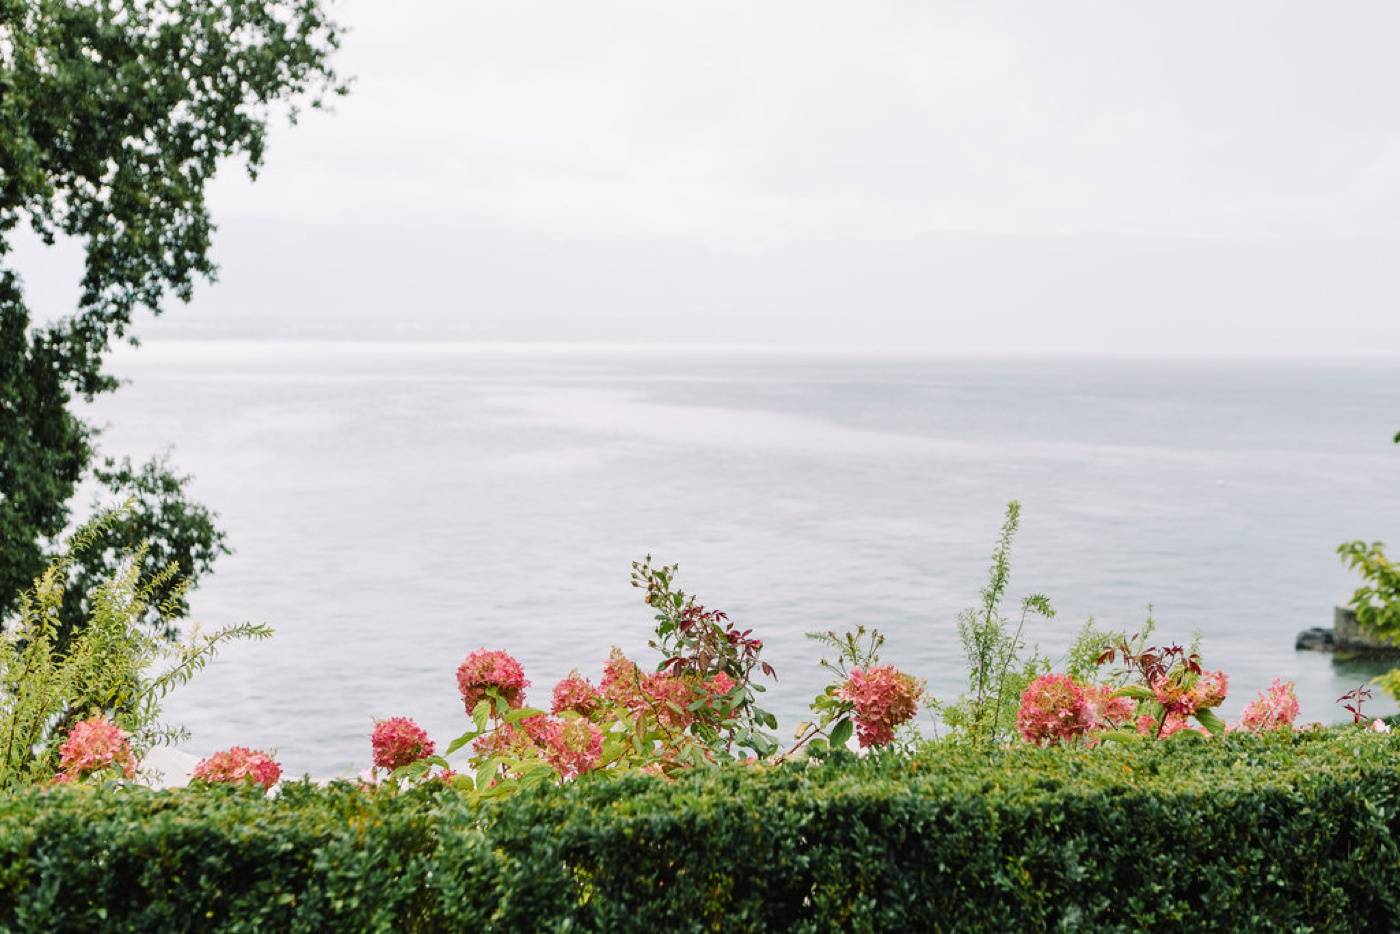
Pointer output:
394, 506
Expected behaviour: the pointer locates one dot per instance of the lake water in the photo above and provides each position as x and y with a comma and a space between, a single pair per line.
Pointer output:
395, 506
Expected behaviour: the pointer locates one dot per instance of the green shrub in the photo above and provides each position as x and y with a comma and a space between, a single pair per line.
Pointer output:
1290, 830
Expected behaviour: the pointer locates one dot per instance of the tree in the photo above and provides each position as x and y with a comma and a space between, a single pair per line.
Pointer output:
114, 117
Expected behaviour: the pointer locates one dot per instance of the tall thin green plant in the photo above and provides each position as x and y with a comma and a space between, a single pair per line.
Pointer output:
998, 666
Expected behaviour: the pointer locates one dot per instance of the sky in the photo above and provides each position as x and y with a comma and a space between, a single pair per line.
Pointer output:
952, 177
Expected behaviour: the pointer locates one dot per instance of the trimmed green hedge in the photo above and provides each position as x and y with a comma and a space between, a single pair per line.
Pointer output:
1246, 832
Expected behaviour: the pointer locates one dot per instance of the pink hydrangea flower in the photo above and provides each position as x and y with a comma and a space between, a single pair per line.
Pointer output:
668, 698
1053, 708
719, 685
1210, 689
576, 694
1103, 711
539, 728
622, 680
1273, 709
522, 739
884, 698
574, 747
239, 764
398, 741
94, 745
1379, 726
486, 669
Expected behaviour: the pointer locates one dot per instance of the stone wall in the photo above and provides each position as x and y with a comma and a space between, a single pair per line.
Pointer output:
1350, 637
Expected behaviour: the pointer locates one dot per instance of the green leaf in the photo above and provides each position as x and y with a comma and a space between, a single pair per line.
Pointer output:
1135, 691
764, 745
841, 732
480, 713
521, 713
461, 741
1211, 722
410, 771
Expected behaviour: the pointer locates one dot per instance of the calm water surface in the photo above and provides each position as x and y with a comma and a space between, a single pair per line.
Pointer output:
395, 506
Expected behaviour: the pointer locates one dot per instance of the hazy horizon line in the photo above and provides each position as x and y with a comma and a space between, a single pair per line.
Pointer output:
741, 348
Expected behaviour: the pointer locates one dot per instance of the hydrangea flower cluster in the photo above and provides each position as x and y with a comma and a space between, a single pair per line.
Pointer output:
577, 694
239, 764
1053, 709
1182, 700
487, 669
94, 745
884, 698
664, 696
398, 741
1275, 708
573, 746
1103, 711
570, 737
669, 699
622, 680
719, 685
1056, 708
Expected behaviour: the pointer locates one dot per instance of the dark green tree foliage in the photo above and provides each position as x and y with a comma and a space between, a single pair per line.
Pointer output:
114, 116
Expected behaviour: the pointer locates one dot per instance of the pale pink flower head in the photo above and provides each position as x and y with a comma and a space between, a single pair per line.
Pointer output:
1379, 726
668, 698
239, 764
574, 747
1103, 711
1273, 709
1053, 708
1210, 689
622, 680
719, 685
576, 694
487, 669
398, 741
523, 739
539, 728
93, 745
884, 698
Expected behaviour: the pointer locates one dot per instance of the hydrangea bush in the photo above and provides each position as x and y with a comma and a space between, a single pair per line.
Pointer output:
698, 706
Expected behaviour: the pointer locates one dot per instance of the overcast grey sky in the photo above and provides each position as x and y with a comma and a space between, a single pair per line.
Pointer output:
1110, 176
